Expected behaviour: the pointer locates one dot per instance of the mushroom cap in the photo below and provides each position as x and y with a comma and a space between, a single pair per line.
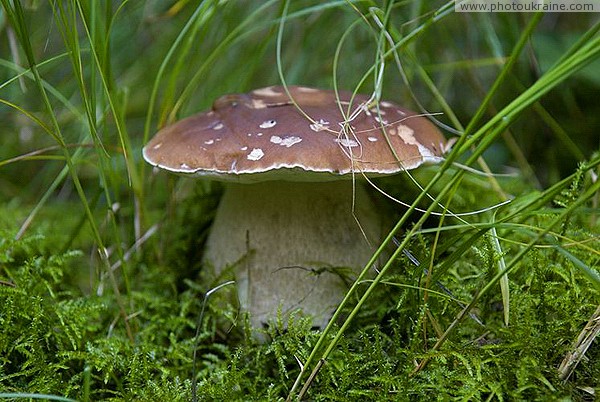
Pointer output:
314, 136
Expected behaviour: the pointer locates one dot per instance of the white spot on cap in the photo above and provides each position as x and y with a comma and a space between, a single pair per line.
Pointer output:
428, 156
259, 134
258, 104
372, 139
378, 120
157, 145
307, 89
243, 148
209, 142
407, 134
184, 166
291, 140
216, 125
268, 124
386, 104
268, 91
286, 141
319, 125
346, 142
380, 111
255, 154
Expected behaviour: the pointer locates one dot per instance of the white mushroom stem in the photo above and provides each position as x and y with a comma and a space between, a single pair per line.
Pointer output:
292, 245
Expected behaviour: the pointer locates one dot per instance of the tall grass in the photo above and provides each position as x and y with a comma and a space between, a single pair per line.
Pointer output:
473, 306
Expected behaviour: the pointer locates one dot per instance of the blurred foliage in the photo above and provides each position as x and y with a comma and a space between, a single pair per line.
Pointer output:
99, 261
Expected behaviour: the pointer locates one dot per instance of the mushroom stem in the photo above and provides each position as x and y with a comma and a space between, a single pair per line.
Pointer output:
295, 245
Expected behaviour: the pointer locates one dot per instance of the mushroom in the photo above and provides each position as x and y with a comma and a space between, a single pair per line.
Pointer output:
291, 226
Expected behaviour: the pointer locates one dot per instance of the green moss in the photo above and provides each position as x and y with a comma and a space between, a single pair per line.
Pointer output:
56, 340
100, 258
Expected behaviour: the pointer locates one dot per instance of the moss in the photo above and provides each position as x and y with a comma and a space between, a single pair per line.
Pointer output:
100, 258
57, 340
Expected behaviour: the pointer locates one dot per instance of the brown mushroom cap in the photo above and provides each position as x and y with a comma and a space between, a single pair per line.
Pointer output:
314, 137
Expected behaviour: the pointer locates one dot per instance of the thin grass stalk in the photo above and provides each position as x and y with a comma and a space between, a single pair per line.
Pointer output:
168, 111
237, 34
124, 139
104, 75
506, 70
163, 68
504, 284
31, 395
68, 27
26, 72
